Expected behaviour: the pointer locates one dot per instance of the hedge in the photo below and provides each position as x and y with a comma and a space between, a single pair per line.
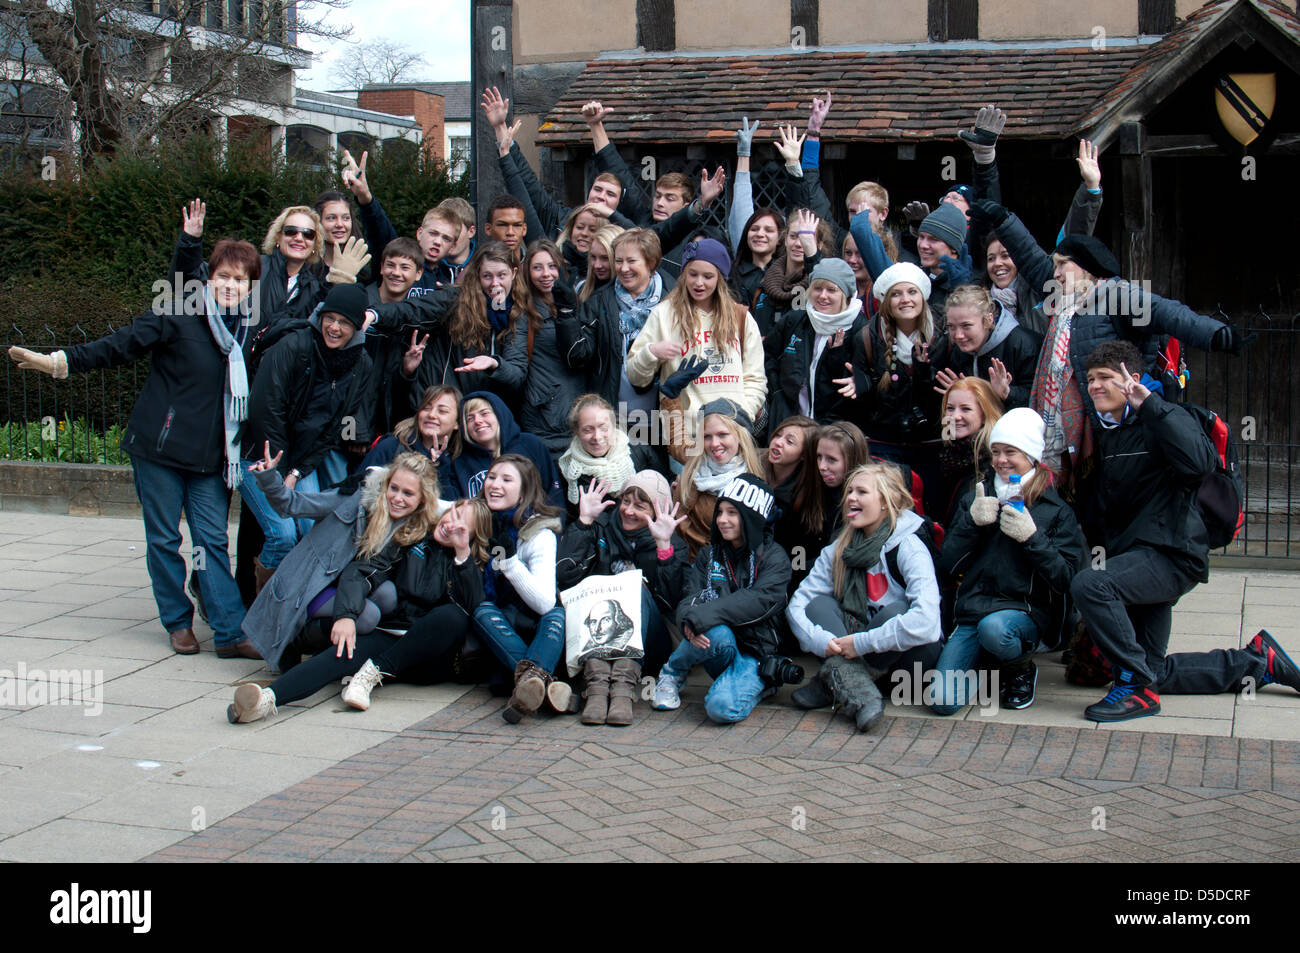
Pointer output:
82, 252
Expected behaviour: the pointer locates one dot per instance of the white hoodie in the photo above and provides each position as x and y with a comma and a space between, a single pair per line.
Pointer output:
918, 625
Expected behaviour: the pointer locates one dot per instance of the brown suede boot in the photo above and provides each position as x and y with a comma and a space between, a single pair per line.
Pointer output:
529, 693
625, 680
261, 575
596, 697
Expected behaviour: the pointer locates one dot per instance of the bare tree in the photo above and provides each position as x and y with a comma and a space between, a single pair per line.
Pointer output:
379, 61
130, 75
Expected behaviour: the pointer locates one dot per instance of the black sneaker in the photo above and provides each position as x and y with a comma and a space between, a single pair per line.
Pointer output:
1124, 702
1278, 666
1018, 690
197, 594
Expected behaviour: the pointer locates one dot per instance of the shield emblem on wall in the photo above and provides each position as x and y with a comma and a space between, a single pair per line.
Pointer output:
1245, 103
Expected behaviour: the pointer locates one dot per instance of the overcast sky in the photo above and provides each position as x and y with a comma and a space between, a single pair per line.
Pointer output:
437, 29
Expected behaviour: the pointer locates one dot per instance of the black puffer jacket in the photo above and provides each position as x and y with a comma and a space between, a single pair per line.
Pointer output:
789, 356
298, 408
751, 610
997, 573
1009, 343
425, 575
590, 340
551, 387
1144, 490
592, 551
179, 419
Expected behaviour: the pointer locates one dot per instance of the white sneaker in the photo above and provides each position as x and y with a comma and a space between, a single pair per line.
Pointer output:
667, 697
252, 703
357, 692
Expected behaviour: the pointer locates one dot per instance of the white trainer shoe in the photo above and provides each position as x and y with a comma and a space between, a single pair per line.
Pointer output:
252, 703
667, 694
357, 692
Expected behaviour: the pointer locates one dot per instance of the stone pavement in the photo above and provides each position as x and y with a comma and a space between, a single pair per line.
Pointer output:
433, 773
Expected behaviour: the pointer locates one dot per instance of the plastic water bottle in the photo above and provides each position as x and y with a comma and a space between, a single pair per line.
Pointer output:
1017, 497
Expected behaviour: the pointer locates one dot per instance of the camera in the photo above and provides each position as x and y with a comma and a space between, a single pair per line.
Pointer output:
912, 423
778, 670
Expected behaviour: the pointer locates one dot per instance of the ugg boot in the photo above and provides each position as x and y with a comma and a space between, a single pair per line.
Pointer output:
561, 697
597, 672
261, 575
854, 692
625, 679
529, 693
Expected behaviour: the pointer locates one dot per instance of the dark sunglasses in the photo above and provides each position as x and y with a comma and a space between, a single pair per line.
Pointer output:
307, 233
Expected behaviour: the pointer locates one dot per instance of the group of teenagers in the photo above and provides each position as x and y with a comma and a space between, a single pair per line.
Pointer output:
898, 451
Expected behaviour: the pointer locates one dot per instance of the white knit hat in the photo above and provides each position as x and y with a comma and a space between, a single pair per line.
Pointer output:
1023, 429
903, 271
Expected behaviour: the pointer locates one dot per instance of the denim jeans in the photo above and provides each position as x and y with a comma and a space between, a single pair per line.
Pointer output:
736, 687
163, 492
282, 532
1005, 635
545, 650
655, 638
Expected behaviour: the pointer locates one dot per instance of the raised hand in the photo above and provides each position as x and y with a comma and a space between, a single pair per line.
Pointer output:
458, 533
1135, 392
1000, 378
803, 223
506, 136
594, 113
710, 189
915, 212
847, 387
495, 108
665, 522
945, 379
354, 177
1089, 167
192, 218
348, 261
983, 136
983, 509
790, 145
592, 502
440, 444
414, 354
991, 214
817, 114
745, 137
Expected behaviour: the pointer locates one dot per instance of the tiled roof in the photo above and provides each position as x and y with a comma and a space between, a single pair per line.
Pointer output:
1163, 59
888, 95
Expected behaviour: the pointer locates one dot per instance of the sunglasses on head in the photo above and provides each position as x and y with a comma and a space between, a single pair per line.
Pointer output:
307, 233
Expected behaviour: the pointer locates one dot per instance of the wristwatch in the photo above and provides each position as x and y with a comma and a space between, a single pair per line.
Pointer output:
296, 473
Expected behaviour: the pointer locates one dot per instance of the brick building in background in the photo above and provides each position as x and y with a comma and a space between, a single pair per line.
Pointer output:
442, 110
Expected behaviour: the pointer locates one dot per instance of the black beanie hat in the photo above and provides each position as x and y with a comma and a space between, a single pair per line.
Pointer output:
348, 302
756, 503
1089, 254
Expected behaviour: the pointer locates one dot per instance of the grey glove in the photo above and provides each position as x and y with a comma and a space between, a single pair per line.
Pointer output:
983, 136
745, 136
983, 509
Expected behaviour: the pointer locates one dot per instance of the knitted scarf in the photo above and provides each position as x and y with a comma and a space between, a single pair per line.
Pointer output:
860, 554
711, 477
236, 384
783, 279
1055, 393
830, 323
615, 466
634, 310
1005, 296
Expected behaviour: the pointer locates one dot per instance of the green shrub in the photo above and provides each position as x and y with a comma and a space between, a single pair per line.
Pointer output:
73, 442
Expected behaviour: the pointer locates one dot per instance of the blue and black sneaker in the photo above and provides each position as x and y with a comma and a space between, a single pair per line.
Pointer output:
1126, 700
1278, 667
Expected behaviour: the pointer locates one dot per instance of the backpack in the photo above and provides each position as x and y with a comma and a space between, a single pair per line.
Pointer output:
929, 534
1221, 494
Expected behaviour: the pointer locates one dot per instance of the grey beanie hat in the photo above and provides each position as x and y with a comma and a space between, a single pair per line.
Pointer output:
946, 223
727, 408
838, 273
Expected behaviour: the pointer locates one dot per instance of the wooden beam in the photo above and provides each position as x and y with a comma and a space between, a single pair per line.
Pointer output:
491, 64
1135, 179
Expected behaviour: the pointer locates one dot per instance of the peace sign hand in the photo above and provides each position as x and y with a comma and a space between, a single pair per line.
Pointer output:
1135, 392
267, 462
414, 354
458, 533
440, 444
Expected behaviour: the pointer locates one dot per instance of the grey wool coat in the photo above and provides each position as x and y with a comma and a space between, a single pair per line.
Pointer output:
280, 610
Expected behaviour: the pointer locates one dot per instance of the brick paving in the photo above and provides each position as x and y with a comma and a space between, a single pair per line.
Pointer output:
783, 785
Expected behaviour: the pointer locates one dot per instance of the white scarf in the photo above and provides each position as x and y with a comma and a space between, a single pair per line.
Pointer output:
903, 344
830, 323
1003, 487
615, 466
236, 385
712, 477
